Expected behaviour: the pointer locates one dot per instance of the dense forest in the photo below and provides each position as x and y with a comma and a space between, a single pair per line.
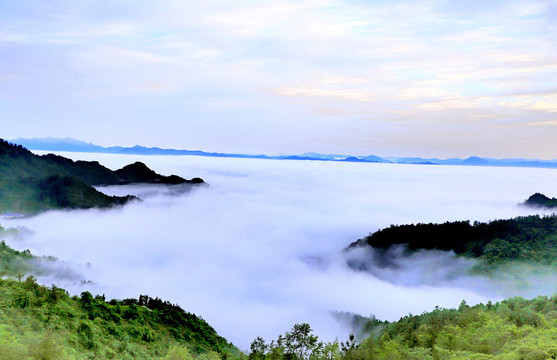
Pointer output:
513, 329
30, 183
526, 238
38, 322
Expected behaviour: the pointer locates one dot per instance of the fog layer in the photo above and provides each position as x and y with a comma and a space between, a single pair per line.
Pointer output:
260, 248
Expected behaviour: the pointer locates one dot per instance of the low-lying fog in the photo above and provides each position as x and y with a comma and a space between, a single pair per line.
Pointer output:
260, 248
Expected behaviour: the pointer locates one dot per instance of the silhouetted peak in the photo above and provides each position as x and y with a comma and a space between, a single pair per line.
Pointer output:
540, 200
474, 160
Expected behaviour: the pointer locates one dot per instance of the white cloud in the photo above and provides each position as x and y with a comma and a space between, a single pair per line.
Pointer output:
260, 248
185, 64
544, 103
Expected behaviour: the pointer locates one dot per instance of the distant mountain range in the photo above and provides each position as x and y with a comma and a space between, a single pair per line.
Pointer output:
73, 145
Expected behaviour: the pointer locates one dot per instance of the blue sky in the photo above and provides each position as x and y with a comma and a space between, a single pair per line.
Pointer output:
390, 78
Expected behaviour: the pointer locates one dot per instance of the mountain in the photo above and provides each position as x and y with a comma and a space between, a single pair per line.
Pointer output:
525, 238
73, 145
369, 159
477, 161
318, 156
540, 201
57, 144
515, 328
373, 158
90, 327
474, 160
138, 172
355, 159
30, 183
414, 160
68, 144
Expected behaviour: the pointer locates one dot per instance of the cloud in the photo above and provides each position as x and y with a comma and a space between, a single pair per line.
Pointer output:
303, 69
260, 248
544, 103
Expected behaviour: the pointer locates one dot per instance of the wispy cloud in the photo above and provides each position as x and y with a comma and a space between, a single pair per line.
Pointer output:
344, 60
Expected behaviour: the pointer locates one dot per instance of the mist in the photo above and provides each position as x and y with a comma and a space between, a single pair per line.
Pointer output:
261, 247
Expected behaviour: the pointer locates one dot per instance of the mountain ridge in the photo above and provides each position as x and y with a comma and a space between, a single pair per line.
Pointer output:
32, 183
73, 145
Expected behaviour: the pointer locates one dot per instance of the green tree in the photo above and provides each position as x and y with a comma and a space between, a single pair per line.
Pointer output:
178, 353
210, 355
258, 349
300, 341
349, 344
331, 351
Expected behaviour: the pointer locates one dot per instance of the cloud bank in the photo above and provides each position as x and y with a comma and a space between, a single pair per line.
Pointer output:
260, 248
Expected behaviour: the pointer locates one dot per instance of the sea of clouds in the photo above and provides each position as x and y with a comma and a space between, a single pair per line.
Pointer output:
261, 247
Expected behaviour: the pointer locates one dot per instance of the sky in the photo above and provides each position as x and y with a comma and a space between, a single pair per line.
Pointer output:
430, 78
261, 247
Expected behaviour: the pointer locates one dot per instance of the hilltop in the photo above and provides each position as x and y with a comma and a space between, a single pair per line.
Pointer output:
524, 238
540, 201
31, 183
47, 323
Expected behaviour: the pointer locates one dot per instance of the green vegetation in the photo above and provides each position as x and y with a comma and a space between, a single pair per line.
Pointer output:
525, 238
298, 344
512, 329
31, 183
17, 264
14, 263
38, 322
516, 329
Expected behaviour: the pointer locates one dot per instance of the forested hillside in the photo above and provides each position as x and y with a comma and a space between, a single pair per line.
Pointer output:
540, 201
30, 183
513, 329
525, 238
38, 322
